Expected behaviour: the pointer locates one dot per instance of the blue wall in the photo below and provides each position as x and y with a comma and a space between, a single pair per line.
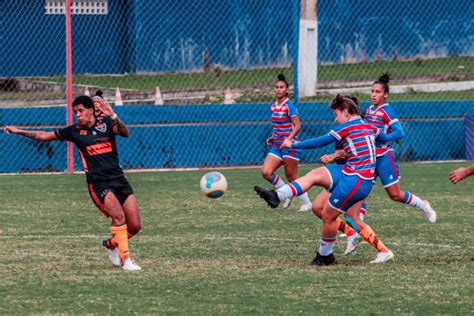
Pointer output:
209, 135
166, 35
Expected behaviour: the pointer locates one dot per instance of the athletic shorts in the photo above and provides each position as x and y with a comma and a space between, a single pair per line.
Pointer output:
99, 189
335, 171
348, 191
285, 153
387, 169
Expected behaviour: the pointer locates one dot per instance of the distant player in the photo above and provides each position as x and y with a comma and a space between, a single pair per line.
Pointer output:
461, 173
348, 186
382, 116
286, 125
94, 137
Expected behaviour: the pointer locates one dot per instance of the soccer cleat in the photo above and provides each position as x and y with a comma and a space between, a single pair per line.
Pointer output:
429, 212
323, 260
112, 254
270, 196
129, 265
352, 243
287, 203
305, 207
383, 257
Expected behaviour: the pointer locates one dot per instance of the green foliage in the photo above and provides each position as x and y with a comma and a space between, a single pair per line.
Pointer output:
439, 69
231, 255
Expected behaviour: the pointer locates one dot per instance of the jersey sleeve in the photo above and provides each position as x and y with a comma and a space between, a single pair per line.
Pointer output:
292, 110
390, 116
65, 133
314, 142
338, 133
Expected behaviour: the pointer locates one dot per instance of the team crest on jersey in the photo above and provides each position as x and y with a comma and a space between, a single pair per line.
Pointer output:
101, 127
82, 132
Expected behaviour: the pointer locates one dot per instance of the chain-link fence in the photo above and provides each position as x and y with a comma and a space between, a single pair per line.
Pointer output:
196, 77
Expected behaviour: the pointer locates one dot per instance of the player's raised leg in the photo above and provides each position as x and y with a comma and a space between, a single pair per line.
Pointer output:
291, 171
411, 199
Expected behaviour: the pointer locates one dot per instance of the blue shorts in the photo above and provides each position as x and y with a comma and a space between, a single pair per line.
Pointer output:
335, 172
348, 191
387, 169
286, 153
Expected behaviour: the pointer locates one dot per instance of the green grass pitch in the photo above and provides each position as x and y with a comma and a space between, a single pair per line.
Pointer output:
232, 255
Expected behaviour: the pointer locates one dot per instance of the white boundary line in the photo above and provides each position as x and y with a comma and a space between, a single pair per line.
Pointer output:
220, 238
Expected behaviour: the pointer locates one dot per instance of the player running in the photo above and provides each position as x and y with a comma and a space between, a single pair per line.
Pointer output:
286, 125
382, 116
94, 137
348, 187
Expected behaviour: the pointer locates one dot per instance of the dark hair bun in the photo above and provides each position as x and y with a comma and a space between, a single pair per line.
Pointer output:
385, 78
339, 98
99, 93
281, 77
356, 101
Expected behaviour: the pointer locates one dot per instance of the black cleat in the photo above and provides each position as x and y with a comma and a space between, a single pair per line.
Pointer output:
323, 260
268, 195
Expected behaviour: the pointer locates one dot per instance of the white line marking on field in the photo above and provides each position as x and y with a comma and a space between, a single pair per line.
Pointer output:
232, 238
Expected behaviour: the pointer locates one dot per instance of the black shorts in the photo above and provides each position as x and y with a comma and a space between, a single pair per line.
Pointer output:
99, 189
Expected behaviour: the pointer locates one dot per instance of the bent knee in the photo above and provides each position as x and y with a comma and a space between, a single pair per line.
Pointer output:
134, 229
267, 175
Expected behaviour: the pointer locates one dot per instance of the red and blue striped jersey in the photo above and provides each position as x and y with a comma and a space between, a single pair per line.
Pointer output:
358, 141
281, 121
381, 117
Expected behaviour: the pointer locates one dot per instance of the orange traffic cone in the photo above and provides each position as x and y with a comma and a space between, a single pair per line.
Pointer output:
87, 92
158, 97
118, 97
228, 98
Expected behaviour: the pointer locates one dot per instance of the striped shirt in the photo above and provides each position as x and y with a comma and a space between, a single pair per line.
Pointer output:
381, 117
281, 121
358, 141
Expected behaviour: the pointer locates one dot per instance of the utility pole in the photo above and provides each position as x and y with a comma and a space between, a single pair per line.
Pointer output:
308, 48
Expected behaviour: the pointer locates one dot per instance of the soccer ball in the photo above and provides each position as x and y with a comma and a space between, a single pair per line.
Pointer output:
213, 184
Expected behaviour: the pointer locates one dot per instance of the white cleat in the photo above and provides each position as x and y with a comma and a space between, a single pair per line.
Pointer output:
429, 212
287, 203
305, 207
383, 257
113, 256
129, 265
352, 243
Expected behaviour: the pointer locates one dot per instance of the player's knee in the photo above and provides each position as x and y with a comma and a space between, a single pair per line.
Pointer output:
397, 196
267, 174
118, 218
134, 228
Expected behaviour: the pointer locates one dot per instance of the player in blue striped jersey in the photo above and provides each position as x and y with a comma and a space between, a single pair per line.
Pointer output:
381, 115
348, 187
286, 125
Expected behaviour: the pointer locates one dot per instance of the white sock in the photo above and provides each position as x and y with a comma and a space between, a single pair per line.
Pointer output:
417, 202
304, 198
279, 184
285, 192
326, 245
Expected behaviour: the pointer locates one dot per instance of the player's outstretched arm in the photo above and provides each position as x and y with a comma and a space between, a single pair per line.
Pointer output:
457, 175
36, 135
310, 143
